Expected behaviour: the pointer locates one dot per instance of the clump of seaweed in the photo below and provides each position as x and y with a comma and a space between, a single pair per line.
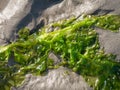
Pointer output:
75, 41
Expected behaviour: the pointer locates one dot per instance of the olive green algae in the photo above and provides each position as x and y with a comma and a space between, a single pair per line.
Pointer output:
75, 40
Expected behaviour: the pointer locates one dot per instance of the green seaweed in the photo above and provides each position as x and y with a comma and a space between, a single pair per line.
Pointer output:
75, 41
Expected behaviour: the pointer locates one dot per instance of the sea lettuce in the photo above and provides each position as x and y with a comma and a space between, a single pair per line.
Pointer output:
75, 40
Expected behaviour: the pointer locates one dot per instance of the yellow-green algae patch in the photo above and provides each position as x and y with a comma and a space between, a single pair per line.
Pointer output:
75, 40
